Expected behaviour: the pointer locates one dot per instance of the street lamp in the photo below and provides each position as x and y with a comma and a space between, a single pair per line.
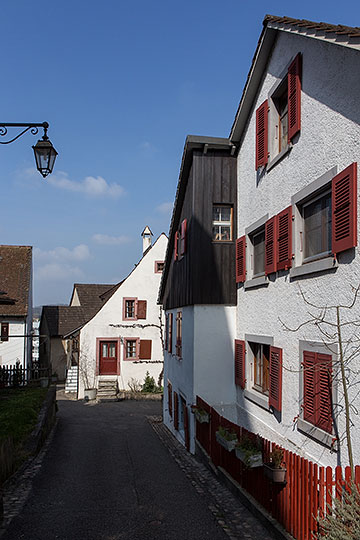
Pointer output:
45, 153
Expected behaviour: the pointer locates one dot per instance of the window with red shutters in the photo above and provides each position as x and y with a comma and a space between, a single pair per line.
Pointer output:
294, 97
166, 340
240, 260
183, 237
170, 398
270, 245
344, 209
284, 239
275, 375
176, 411
239, 363
261, 152
179, 334
170, 333
186, 426
4, 331
317, 405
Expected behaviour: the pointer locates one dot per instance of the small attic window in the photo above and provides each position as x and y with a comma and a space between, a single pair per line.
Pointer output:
159, 267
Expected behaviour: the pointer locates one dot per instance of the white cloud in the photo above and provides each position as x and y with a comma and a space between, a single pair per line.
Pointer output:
147, 147
57, 271
91, 185
107, 240
62, 254
165, 208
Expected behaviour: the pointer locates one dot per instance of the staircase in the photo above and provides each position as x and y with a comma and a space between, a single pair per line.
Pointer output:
71, 382
107, 390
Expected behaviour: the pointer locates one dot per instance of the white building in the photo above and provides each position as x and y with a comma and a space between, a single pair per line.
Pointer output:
15, 305
122, 341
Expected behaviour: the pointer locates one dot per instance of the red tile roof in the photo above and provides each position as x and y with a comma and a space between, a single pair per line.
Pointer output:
338, 29
15, 280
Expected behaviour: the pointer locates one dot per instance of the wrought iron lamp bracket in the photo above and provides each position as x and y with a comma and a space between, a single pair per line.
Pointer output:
33, 128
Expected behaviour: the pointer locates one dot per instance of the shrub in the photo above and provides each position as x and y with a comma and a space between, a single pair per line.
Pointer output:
149, 384
344, 521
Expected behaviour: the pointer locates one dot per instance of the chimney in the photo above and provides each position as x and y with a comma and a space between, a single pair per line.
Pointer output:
146, 236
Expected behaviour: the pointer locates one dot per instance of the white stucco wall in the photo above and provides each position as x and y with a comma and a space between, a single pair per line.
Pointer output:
206, 367
15, 349
330, 136
143, 283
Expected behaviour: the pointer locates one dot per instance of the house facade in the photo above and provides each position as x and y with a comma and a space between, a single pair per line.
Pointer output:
123, 340
296, 134
16, 306
198, 289
298, 131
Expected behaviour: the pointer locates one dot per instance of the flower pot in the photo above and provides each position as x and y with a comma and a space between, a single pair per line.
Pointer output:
252, 461
202, 418
225, 443
278, 476
89, 394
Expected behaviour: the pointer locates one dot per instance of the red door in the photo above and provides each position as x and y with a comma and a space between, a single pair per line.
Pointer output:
108, 357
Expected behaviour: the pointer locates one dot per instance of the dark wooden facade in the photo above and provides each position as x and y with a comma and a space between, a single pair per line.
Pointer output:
206, 273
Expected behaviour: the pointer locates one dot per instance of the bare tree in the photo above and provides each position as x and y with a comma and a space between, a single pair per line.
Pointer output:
338, 327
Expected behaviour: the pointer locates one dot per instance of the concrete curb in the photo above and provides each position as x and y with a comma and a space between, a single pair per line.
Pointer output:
46, 420
139, 396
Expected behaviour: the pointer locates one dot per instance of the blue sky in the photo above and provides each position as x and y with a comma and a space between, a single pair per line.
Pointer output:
121, 85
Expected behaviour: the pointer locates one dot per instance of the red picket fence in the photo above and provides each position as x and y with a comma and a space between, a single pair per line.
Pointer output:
296, 505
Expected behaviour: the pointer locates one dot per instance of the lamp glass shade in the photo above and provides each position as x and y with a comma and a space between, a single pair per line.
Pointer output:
45, 155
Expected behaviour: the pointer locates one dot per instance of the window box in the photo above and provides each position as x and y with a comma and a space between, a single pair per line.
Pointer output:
248, 450
226, 439
202, 416
276, 475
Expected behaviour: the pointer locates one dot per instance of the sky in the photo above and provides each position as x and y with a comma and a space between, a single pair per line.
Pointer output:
121, 84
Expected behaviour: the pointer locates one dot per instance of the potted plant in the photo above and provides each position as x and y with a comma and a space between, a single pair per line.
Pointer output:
249, 451
226, 438
202, 416
276, 469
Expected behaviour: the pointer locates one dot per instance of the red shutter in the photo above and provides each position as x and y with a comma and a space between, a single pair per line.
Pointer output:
270, 245
309, 404
183, 237
176, 246
284, 239
294, 97
275, 374
324, 391
170, 398
166, 340
145, 349
170, 333
240, 363
176, 411
186, 427
261, 152
141, 309
344, 209
240, 259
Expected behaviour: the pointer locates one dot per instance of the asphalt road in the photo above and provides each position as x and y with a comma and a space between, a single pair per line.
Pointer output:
106, 476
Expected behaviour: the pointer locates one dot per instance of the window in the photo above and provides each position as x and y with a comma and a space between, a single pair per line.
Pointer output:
260, 353
134, 309
258, 243
179, 334
278, 119
159, 267
169, 336
316, 215
131, 348
4, 331
222, 223
180, 241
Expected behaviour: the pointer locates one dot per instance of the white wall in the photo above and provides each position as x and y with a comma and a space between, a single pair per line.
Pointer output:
14, 350
330, 136
143, 283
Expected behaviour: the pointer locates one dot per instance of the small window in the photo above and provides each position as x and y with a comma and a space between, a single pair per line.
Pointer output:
131, 349
222, 223
159, 267
316, 232
261, 355
130, 308
280, 101
258, 242
4, 331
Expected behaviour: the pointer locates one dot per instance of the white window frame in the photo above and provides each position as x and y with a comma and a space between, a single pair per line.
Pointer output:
223, 223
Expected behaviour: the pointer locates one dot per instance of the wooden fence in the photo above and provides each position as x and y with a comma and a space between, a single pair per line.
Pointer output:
15, 376
296, 505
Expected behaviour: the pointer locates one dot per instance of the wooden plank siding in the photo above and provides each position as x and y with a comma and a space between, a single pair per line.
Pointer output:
206, 274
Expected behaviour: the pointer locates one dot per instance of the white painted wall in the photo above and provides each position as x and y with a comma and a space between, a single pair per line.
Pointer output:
15, 349
143, 283
330, 136
207, 366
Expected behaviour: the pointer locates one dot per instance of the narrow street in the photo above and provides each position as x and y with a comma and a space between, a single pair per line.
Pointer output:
107, 475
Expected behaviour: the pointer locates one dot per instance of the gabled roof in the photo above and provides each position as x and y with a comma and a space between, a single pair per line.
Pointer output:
15, 280
337, 34
90, 294
193, 142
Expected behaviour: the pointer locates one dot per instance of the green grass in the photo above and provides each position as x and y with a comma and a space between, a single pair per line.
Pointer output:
19, 409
